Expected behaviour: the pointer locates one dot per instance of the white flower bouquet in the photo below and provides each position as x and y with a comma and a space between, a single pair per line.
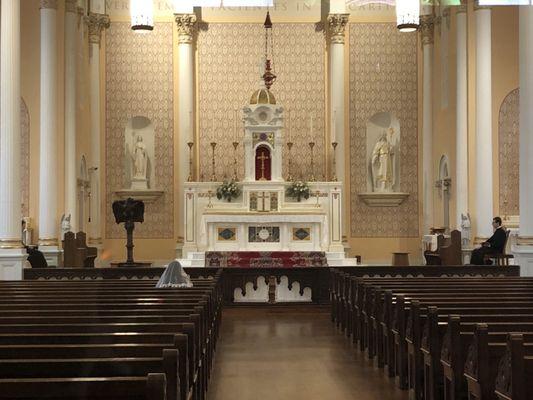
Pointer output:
228, 190
298, 190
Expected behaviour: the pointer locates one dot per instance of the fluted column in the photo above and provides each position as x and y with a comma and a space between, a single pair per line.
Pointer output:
524, 249
70, 113
186, 25
427, 29
12, 255
483, 184
337, 26
96, 23
48, 182
461, 124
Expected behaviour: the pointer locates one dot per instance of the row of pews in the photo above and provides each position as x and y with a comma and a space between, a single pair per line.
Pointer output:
442, 338
107, 339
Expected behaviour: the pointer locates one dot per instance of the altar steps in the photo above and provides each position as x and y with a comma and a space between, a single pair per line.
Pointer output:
335, 259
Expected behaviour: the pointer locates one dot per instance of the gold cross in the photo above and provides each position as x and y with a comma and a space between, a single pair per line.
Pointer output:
262, 157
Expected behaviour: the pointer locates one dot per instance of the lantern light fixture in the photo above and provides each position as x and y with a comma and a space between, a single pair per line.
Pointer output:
407, 15
142, 15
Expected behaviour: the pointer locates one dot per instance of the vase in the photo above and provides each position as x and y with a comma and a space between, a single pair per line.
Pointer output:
299, 197
229, 199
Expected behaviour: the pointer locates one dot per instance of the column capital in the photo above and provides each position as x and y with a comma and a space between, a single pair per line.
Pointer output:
337, 26
186, 24
462, 7
48, 4
71, 6
427, 25
96, 23
478, 7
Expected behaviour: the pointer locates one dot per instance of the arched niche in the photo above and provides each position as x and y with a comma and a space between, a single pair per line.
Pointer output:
383, 126
263, 162
509, 157
139, 128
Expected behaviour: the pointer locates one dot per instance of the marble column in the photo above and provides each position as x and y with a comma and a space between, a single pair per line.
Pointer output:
337, 26
523, 250
12, 253
483, 169
48, 182
96, 23
186, 25
70, 113
461, 123
427, 24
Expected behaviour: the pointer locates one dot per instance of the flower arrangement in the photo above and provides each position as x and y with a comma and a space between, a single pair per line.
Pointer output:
228, 190
298, 190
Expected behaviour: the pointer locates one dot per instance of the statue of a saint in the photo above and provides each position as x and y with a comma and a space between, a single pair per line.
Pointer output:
140, 159
465, 229
382, 164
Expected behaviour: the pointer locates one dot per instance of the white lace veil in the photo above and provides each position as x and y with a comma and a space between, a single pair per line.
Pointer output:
174, 276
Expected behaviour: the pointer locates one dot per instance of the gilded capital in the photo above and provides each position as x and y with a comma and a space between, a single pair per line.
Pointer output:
337, 26
96, 23
461, 8
71, 6
186, 24
48, 4
427, 25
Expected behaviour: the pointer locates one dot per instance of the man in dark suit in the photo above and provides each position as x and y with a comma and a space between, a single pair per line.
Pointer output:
494, 245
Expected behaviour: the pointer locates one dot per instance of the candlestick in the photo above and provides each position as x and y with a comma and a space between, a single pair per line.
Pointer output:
334, 177
190, 144
334, 130
312, 178
235, 125
213, 128
289, 124
289, 175
213, 174
235, 145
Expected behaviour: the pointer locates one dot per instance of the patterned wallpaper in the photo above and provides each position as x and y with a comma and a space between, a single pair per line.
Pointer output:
228, 57
383, 77
25, 157
139, 82
509, 136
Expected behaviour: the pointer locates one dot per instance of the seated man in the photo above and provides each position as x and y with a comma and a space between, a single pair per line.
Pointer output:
494, 245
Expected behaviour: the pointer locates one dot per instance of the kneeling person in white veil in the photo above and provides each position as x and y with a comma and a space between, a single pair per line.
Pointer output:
174, 276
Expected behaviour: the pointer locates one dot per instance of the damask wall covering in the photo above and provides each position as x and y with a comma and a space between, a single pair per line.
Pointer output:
229, 57
139, 82
509, 138
383, 77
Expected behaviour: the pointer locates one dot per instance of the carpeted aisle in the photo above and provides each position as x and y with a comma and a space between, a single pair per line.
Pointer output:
291, 353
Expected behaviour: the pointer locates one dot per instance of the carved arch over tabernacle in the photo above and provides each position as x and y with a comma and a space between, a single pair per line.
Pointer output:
25, 157
508, 151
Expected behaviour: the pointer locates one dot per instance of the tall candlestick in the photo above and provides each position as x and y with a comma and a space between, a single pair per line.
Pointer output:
334, 178
312, 178
190, 178
289, 175
213, 165
235, 145
213, 128
289, 124
235, 125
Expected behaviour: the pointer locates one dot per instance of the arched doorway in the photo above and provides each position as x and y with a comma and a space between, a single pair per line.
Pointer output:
263, 163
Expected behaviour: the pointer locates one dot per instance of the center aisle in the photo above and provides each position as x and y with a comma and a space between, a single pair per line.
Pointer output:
291, 353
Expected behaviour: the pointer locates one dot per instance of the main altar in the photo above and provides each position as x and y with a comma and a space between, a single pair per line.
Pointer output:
263, 217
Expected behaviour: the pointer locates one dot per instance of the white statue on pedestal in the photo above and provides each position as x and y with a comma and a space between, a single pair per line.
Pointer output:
139, 165
465, 229
382, 164
65, 225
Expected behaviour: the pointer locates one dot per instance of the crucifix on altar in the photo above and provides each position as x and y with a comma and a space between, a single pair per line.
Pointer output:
263, 170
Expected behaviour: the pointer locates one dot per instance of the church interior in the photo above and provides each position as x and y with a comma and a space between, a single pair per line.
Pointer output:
326, 198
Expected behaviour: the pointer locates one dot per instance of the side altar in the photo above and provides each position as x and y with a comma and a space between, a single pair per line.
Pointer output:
263, 217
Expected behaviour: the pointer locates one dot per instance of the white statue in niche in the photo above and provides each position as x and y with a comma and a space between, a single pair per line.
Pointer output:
382, 163
140, 159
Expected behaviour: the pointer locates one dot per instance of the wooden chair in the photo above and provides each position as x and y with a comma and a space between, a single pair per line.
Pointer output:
76, 253
448, 250
501, 258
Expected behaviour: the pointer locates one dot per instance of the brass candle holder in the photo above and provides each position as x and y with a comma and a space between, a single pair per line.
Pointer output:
190, 144
213, 165
312, 178
334, 177
289, 175
235, 145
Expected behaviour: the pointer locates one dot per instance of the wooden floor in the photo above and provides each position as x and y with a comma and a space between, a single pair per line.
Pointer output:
291, 353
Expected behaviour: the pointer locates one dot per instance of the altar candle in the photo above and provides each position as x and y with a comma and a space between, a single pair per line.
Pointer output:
334, 131
235, 124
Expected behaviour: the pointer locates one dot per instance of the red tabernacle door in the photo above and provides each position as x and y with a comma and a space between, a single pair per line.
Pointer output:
263, 162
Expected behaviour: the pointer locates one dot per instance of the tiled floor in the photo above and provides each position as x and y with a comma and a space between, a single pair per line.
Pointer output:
291, 353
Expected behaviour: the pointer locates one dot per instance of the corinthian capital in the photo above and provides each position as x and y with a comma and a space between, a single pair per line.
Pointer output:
461, 8
70, 6
186, 24
337, 24
48, 4
427, 24
96, 23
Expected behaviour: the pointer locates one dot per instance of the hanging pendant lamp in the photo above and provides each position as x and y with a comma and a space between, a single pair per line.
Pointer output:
407, 15
142, 15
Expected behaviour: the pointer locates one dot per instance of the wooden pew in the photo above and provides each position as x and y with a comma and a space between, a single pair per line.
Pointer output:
151, 387
515, 370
